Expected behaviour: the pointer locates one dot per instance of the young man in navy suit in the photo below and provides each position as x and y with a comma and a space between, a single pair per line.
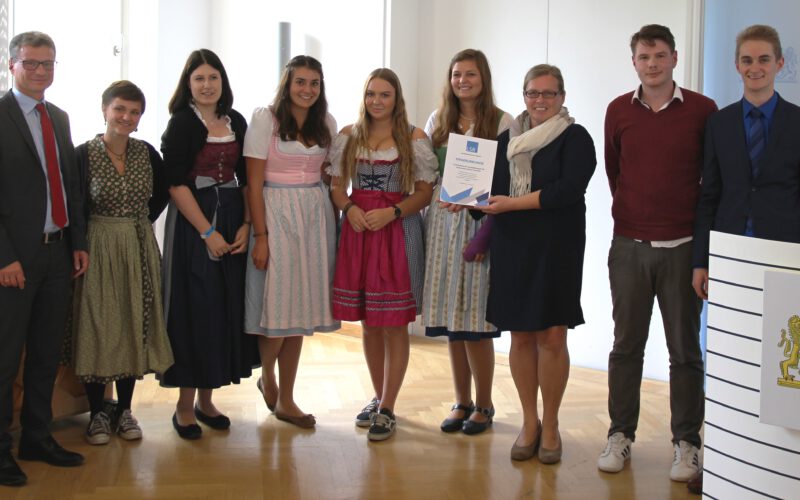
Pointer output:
751, 172
42, 246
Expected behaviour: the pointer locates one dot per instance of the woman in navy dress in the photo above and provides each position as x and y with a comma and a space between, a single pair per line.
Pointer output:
544, 164
206, 243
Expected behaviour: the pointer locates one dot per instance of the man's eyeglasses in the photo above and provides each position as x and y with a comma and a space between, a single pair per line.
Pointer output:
534, 94
33, 64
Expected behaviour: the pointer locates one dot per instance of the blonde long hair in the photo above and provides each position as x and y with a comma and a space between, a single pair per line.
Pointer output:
401, 133
487, 114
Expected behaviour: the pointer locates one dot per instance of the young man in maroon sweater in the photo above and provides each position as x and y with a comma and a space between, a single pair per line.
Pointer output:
654, 158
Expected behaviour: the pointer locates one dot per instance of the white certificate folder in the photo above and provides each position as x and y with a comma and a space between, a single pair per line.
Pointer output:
468, 170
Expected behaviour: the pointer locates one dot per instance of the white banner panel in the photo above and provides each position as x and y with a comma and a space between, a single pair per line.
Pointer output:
744, 457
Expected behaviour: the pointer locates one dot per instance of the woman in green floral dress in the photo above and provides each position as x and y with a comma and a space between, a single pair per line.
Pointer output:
118, 332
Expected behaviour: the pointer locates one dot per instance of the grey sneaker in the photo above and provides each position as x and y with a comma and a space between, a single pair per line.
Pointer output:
364, 419
382, 426
617, 452
99, 429
685, 463
128, 427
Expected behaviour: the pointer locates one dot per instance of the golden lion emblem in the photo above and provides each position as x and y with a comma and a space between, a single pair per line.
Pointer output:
791, 349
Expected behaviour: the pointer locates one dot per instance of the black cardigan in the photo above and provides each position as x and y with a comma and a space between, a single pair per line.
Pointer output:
158, 200
183, 139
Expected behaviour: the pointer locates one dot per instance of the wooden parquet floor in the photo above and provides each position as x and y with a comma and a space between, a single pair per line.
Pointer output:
261, 457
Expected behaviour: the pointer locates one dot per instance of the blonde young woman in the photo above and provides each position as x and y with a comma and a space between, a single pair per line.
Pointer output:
456, 285
380, 261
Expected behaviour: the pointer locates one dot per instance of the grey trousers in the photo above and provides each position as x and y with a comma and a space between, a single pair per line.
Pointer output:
638, 273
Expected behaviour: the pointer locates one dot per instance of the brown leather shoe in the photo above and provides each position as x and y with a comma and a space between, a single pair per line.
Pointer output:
306, 421
547, 456
527, 452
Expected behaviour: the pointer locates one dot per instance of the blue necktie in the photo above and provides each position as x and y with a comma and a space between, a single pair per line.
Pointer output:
756, 142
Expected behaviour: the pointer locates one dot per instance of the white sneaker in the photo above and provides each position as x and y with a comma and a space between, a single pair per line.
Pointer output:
128, 427
686, 462
99, 430
617, 451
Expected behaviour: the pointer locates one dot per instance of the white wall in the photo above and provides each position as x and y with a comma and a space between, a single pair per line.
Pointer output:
403, 46
512, 34
346, 36
141, 55
589, 41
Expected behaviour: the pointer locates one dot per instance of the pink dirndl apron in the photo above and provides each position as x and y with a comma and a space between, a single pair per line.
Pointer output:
371, 281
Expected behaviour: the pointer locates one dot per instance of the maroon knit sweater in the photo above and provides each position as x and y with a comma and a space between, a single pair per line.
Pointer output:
653, 163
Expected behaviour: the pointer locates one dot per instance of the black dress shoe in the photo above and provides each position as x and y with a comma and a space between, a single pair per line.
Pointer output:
10, 473
220, 422
472, 427
48, 451
191, 431
455, 424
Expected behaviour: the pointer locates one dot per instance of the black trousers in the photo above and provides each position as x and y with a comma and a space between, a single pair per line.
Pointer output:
34, 319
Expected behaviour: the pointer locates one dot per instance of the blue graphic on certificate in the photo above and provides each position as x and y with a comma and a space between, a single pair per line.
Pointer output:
468, 170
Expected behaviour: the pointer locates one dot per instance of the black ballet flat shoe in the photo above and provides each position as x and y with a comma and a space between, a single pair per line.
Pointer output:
191, 431
455, 424
471, 427
220, 422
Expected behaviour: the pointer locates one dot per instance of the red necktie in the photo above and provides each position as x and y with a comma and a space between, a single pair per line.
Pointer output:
58, 210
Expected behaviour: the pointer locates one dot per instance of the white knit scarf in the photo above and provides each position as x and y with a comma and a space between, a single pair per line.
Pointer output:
522, 148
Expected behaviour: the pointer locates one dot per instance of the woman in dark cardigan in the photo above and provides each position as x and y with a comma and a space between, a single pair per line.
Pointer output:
544, 164
205, 243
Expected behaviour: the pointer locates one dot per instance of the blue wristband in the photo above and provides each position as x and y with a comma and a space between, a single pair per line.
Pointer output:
207, 233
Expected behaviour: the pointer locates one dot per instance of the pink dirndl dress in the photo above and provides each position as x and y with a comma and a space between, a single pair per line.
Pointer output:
379, 274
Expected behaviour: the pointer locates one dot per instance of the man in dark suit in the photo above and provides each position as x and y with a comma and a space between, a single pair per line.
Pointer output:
42, 246
751, 172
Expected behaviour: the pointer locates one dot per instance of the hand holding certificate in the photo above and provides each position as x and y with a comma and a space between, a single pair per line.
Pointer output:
468, 170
